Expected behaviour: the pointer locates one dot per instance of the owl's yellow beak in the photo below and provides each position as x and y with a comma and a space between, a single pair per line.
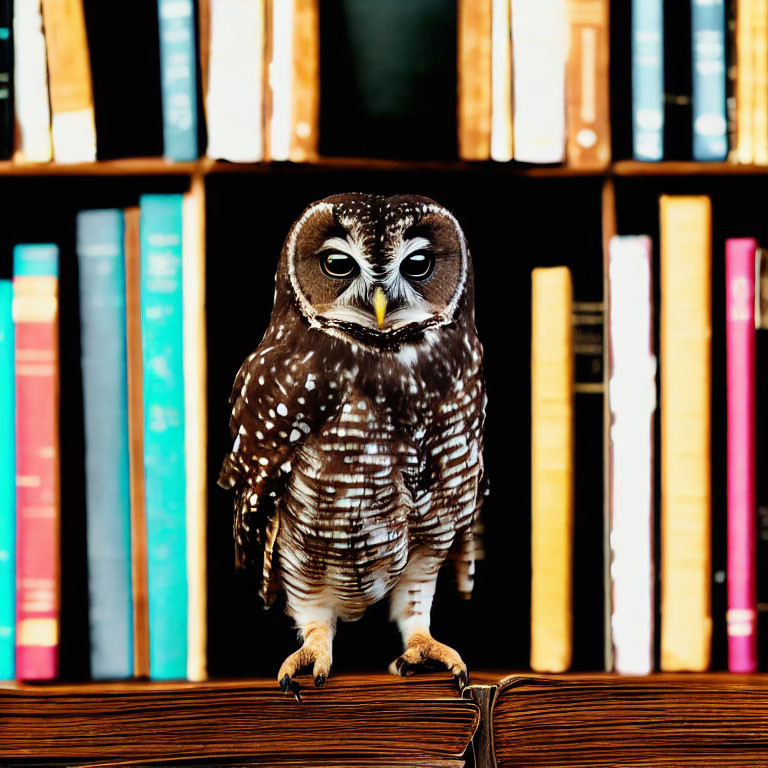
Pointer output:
380, 305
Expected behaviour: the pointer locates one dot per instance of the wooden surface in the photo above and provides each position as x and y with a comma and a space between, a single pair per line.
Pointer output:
357, 718
606, 720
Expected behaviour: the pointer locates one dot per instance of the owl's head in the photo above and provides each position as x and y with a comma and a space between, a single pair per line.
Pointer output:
376, 270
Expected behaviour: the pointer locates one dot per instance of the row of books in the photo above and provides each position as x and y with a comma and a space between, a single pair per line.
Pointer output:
142, 346
261, 79
685, 365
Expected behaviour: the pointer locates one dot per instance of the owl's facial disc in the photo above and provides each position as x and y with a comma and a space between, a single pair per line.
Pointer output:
377, 277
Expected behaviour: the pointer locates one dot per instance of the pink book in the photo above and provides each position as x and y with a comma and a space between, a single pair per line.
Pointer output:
742, 513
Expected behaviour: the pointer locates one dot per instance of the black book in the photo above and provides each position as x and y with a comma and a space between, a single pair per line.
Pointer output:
678, 83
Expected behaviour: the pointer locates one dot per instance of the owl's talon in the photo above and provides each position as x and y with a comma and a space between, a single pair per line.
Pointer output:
291, 685
461, 680
320, 680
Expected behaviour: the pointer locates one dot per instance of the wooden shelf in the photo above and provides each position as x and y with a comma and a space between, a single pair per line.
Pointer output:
131, 166
685, 168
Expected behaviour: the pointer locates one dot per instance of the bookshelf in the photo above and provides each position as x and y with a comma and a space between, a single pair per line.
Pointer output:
507, 211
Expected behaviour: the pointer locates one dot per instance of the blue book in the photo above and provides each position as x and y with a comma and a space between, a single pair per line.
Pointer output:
178, 80
7, 486
710, 123
164, 462
105, 407
647, 79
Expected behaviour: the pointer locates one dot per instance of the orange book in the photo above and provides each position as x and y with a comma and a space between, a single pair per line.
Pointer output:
586, 84
306, 80
745, 82
552, 489
139, 586
759, 29
72, 121
474, 79
686, 371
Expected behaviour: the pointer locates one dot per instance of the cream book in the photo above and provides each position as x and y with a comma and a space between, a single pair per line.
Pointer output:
501, 82
686, 368
552, 458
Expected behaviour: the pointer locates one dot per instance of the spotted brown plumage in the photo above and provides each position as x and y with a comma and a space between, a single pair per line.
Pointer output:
357, 425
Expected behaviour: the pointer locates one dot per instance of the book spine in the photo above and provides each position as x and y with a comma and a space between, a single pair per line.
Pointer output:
7, 486
235, 99
632, 402
502, 135
6, 82
742, 504
102, 322
647, 79
164, 462
686, 370
732, 77
281, 78
69, 69
195, 425
552, 460
710, 124
539, 52
30, 84
178, 78
305, 108
138, 537
35, 314
587, 99
474, 79
760, 106
745, 82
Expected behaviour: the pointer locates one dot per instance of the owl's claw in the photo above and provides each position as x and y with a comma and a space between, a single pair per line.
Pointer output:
320, 680
291, 685
461, 680
424, 652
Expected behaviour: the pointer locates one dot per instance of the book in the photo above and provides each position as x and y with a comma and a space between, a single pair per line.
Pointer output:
6, 80
305, 91
647, 47
710, 124
195, 424
742, 505
69, 71
30, 85
601, 720
164, 442
759, 31
686, 369
731, 86
552, 461
7, 486
502, 134
586, 89
130, 125
632, 403
745, 82
105, 408
281, 78
38, 506
234, 102
474, 74
138, 538
178, 78
539, 53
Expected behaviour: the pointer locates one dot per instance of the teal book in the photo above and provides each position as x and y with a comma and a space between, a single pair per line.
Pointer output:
647, 79
164, 461
178, 78
101, 262
710, 123
7, 486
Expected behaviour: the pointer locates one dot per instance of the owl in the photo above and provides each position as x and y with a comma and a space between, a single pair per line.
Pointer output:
357, 426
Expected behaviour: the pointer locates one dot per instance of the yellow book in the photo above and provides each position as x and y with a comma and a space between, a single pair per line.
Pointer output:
745, 81
760, 84
502, 135
686, 367
551, 469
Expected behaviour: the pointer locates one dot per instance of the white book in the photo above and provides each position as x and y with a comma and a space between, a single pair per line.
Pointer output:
30, 83
632, 402
235, 99
281, 79
540, 52
501, 82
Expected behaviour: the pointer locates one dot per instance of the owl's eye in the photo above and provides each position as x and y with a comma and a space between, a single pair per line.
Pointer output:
417, 266
338, 265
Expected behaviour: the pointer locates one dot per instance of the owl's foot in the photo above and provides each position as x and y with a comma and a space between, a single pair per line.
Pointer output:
316, 651
422, 650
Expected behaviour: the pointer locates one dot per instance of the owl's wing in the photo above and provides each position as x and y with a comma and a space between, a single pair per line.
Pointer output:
272, 406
